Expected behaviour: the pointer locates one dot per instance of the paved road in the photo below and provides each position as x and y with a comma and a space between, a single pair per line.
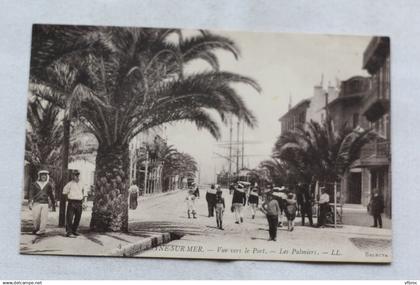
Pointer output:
199, 238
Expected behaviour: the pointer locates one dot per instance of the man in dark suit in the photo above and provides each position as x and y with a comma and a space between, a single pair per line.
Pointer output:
306, 206
377, 208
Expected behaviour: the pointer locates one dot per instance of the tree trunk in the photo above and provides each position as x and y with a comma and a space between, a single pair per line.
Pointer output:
110, 205
64, 171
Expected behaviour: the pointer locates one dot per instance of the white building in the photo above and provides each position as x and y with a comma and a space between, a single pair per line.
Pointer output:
316, 111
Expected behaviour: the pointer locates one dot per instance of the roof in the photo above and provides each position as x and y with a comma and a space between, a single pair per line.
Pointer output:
298, 105
340, 99
351, 92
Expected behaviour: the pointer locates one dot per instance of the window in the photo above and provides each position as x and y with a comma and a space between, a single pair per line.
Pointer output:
302, 118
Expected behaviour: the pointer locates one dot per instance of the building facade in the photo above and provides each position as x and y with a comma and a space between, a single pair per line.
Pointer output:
311, 109
364, 102
359, 102
376, 156
295, 117
321, 98
345, 112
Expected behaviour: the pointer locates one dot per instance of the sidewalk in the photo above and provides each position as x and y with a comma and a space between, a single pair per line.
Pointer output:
357, 215
89, 243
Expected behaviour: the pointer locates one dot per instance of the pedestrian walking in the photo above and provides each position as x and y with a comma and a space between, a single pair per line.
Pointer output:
190, 200
238, 203
324, 207
280, 196
220, 208
291, 209
74, 192
306, 207
271, 209
134, 193
211, 199
253, 200
377, 206
196, 191
39, 193
231, 188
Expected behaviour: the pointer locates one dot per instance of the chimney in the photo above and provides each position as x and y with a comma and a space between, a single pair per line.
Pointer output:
290, 102
332, 93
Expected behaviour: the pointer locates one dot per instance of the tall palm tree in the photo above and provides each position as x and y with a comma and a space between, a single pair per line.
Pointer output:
43, 136
186, 166
66, 87
169, 157
138, 81
316, 152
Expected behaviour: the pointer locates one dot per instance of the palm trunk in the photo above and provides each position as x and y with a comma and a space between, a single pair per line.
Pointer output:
110, 205
64, 171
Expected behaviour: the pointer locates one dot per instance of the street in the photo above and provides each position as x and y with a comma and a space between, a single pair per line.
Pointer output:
200, 238
166, 213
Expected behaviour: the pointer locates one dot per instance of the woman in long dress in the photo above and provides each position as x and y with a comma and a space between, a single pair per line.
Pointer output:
291, 209
134, 192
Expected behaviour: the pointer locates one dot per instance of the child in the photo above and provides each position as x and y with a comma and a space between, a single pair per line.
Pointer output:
291, 211
191, 204
220, 208
253, 201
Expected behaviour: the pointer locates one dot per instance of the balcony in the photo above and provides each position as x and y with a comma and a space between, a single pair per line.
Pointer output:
375, 154
375, 53
375, 106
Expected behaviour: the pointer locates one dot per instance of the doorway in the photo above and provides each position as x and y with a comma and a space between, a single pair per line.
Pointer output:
355, 188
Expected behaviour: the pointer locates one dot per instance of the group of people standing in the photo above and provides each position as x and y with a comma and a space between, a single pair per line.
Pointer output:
278, 204
41, 194
242, 195
215, 203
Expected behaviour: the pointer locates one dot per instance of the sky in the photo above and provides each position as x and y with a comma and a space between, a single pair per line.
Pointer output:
286, 66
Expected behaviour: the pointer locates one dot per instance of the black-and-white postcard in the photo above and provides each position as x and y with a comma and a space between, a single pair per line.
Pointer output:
202, 144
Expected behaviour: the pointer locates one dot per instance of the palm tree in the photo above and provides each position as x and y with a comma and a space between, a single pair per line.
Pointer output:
52, 79
138, 81
185, 166
64, 85
316, 152
43, 136
277, 171
169, 156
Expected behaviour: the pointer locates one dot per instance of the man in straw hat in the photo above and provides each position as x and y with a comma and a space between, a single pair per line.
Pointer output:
75, 193
39, 193
271, 209
238, 202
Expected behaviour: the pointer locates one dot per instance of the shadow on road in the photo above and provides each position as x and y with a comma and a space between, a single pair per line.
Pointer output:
166, 227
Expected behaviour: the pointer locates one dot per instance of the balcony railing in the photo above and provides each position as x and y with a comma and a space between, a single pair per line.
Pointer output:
375, 105
375, 150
